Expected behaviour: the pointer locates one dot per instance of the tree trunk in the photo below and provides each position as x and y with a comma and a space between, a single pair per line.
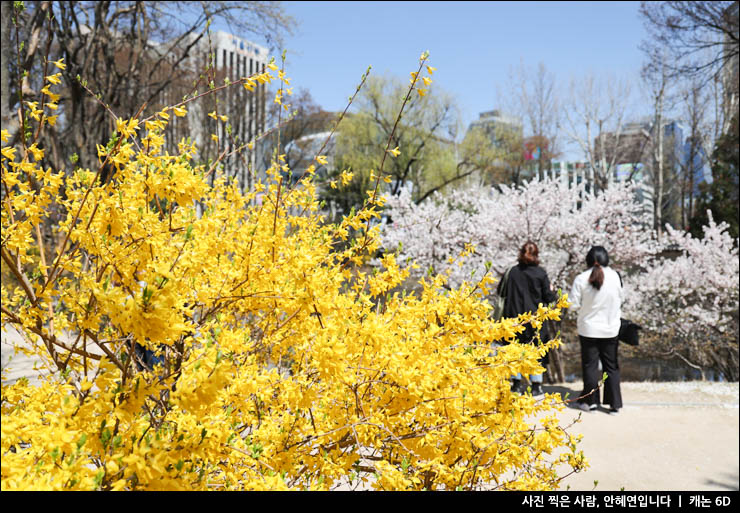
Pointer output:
556, 371
659, 164
5, 57
692, 159
556, 368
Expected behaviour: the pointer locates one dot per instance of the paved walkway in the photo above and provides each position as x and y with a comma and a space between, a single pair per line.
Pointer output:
668, 437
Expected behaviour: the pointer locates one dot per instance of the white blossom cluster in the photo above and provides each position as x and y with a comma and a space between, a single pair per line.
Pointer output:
694, 295
564, 222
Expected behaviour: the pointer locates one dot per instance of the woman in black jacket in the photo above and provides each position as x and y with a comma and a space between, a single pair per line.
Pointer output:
526, 288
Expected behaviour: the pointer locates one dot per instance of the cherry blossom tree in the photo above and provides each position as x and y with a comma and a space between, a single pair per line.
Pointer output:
682, 290
688, 305
564, 222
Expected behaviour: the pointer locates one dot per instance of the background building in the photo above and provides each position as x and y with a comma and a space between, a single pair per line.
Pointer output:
506, 134
233, 58
632, 151
630, 145
498, 126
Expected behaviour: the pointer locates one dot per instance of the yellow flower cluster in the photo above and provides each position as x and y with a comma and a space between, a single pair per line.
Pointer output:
426, 80
284, 363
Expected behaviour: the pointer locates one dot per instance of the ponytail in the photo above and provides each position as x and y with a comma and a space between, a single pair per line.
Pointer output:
597, 276
597, 258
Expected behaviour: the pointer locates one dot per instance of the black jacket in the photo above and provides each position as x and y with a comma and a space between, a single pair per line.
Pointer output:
527, 287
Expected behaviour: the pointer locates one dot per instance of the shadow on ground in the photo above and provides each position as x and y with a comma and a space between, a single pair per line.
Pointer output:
569, 395
729, 482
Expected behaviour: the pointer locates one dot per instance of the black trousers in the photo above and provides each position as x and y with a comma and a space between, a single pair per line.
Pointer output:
593, 350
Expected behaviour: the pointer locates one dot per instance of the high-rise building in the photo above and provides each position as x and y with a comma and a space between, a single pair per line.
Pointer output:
629, 145
632, 154
506, 134
499, 127
232, 58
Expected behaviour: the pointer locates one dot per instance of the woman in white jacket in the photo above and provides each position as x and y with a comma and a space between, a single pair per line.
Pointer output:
597, 295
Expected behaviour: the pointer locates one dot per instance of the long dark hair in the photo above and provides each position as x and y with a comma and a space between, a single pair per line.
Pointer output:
597, 258
529, 254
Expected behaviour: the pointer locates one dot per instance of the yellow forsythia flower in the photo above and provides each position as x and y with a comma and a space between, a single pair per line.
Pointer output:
8, 152
47, 92
346, 177
264, 316
127, 128
37, 153
54, 79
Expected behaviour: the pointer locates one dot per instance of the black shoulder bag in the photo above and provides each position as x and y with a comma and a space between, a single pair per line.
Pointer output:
500, 300
628, 330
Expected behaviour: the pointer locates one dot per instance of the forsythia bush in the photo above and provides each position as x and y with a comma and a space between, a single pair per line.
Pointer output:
278, 363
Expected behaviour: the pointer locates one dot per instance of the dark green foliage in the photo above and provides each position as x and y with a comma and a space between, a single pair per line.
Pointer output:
721, 196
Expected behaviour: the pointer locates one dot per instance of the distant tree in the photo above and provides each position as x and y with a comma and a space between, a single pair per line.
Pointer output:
688, 28
563, 220
656, 78
688, 304
721, 196
694, 100
595, 115
531, 96
429, 158
701, 38
539, 105
127, 53
500, 162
